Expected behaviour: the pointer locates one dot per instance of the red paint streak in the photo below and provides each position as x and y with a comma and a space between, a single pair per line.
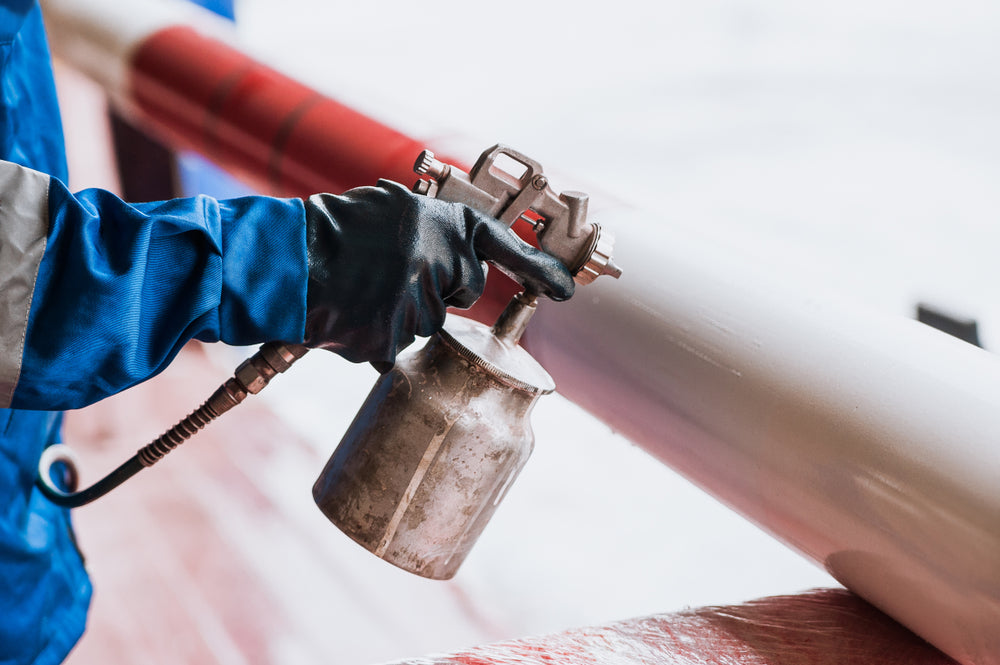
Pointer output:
278, 135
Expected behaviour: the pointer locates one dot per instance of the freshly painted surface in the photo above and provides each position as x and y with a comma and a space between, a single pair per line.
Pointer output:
865, 441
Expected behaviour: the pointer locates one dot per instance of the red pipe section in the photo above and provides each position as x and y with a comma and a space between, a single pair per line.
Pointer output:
281, 136
271, 131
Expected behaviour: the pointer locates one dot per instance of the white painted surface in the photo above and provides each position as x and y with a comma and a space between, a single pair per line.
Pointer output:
865, 441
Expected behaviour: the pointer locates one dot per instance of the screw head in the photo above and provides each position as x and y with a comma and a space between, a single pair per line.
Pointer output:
539, 182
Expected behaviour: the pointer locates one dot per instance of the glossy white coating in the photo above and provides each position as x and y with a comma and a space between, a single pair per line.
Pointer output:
868, 443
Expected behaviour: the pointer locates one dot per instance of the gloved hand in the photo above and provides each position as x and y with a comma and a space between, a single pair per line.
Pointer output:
384, 264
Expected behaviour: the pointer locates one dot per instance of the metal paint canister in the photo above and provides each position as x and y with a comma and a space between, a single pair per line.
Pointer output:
434, 449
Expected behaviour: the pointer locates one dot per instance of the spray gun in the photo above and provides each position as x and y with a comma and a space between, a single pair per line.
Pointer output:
511, 186
441, 437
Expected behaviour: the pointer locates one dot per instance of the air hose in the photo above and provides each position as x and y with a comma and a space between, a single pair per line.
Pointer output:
249, 378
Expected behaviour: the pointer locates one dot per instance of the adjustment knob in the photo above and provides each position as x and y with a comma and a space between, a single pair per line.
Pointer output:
428, 165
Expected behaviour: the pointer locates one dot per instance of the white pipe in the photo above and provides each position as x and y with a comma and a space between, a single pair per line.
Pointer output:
869, 443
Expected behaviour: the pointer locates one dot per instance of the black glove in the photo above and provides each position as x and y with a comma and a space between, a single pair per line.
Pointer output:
384, 264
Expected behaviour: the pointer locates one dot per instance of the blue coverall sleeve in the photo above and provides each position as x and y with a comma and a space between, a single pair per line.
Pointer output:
120, 288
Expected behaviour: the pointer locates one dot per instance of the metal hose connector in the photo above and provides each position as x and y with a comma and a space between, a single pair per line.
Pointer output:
249, 378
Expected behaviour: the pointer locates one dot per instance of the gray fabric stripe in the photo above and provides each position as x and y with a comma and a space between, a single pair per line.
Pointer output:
24, 225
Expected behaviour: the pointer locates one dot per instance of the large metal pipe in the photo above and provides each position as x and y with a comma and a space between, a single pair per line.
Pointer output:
866, 442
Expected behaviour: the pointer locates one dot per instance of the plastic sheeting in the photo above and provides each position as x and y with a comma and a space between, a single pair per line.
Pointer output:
829, 626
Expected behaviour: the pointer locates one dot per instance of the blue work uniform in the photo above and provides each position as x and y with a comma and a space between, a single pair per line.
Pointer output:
95, 296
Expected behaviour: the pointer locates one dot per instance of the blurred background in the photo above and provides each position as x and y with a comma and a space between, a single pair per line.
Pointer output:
853, 146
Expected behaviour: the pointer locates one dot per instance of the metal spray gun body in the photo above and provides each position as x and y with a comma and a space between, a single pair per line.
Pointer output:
443, 435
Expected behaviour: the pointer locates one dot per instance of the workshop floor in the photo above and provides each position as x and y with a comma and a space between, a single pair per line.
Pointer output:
174, 580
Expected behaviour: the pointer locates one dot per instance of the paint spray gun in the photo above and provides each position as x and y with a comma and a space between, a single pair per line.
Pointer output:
442, 435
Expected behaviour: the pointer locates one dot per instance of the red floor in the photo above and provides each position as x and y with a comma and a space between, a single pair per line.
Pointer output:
170, 587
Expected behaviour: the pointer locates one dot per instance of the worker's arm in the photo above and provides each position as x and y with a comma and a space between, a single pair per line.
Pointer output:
97, 295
